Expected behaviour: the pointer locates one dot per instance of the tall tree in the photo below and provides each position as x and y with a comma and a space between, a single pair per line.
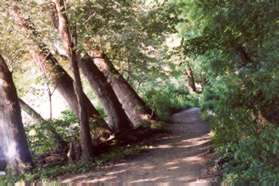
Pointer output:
138, 112
49, 65
12, 135
117, 118
65, 33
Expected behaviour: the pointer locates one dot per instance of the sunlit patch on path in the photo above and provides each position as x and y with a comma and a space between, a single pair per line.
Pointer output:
174, 159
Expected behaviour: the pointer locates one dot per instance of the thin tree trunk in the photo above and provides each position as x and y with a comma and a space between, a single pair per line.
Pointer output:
138, 112
12, 134
85, 136
117, 117
49, 65
65, 34
64, 83
49, 93
191, 79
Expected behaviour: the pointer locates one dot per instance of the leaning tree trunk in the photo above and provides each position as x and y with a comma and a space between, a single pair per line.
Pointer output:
138, 112
50, 66
65, 34
36, 116
63, 82
30, 111
12, 135
117, 117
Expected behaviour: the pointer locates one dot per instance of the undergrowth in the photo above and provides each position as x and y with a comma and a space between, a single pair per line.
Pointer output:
247, 148
41, 174
169, 99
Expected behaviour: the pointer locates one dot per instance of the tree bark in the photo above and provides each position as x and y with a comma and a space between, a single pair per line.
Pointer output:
136, 109
117, 118
65, 34
64, 83
12, 135
50, 66
85, 136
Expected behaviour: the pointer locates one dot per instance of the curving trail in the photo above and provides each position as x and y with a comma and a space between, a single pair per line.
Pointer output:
177, 158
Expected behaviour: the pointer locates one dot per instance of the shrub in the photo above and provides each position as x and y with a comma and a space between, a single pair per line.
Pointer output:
247, 146
169, 99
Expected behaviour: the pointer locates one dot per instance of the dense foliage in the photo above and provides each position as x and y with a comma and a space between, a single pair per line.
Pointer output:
221, 55
42, 141
236, 42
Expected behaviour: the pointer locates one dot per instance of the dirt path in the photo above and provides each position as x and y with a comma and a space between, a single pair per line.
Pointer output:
177, 158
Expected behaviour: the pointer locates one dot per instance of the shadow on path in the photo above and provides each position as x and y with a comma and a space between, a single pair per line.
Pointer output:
178, 158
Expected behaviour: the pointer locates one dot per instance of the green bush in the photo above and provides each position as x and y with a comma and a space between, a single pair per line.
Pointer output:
165, 101
248, 147
254, 159
41, 139
235, 42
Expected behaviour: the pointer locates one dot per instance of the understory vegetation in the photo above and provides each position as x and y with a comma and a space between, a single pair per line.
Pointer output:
96, 79
50, 173
236, 41
170, 99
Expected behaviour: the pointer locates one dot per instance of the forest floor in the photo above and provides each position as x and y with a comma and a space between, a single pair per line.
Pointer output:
178, 157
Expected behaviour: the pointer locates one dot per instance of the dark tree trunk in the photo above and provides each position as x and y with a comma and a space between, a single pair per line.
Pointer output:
65, 34
3, 161
117, 118
36, 116
49, 65
85, 136
138, 112
12, 134
64, 83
